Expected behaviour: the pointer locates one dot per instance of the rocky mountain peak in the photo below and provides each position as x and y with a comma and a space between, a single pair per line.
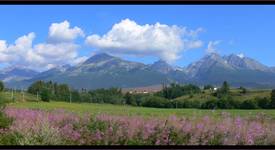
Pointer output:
162, 66
99, 58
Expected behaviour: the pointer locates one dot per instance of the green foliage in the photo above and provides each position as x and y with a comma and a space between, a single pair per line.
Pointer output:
45, 95
111, 96
249, 104
263, 103
177, 90
75, 96
2, 87
4, 120
210, 104
273, 98
227, 102
186, 103
10, 138
130, 100
173, 96
50, 90
155, 101
223, 91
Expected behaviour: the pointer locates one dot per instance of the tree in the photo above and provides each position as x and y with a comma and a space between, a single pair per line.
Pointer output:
75, 96
224, 90
177, 90
225, 87
249, 104
272, 98
2, 87
154, 101
45, 95
243, 90
208, 87
263, 102
130, 100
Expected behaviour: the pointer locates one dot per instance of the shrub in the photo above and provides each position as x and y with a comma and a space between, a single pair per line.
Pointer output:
130, 100
5, 121
227, 102
249, 104
263, 102
210, 104
155, 101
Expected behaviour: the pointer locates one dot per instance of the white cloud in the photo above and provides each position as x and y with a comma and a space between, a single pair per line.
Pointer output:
163, 41
61, 32
211, 47
241, 55
15, 52
43, 55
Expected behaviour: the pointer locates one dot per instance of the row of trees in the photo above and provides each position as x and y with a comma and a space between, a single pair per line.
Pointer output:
177, 90
50, 91
62, 92
166, 98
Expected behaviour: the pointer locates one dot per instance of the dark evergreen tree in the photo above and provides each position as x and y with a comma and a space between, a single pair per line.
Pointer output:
45, 95
2, 87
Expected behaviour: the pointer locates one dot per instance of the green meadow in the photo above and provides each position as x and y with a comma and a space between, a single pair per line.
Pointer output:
30, 101
92, 108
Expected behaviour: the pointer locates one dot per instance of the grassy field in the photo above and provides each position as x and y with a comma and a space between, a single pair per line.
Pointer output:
18, 96
140, 111
30, 101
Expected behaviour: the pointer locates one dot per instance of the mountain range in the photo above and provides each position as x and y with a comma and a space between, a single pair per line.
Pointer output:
103, 71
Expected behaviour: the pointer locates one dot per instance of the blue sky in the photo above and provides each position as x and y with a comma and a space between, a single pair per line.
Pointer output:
247, 29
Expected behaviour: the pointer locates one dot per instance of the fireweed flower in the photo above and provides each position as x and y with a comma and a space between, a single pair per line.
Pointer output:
63, 127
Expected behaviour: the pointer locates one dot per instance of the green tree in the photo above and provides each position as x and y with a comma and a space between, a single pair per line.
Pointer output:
249, 104
155, 101
263, 102
2, 87
272, 98
75, 96
243, 90
45, 95
177, 90
130, 100
223, 91
225, 87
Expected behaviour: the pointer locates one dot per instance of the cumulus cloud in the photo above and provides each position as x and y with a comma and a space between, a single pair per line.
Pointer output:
211, 47
61, 32
46, 55
15, 52
164, 41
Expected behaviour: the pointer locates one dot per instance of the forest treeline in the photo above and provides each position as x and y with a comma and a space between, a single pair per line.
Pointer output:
168, 97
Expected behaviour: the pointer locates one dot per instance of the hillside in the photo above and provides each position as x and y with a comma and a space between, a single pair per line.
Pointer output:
104, 71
